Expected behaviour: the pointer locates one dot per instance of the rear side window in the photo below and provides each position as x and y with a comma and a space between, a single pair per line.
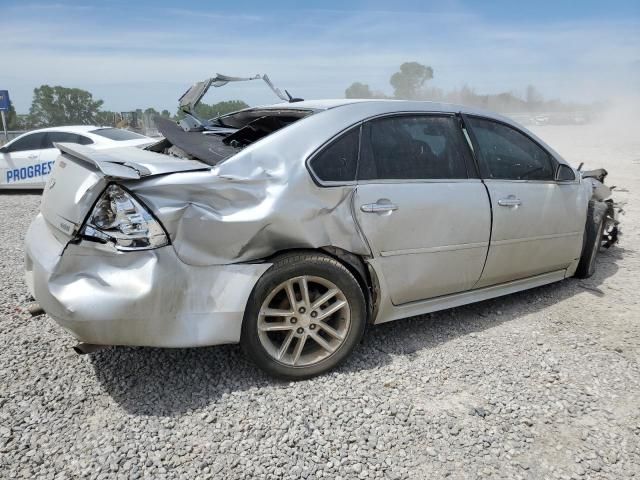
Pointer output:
117, 134
506, 153
416, 147
65, 137
33, 141
338, 161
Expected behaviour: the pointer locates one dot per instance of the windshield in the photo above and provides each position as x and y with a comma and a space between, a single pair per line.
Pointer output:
117, 134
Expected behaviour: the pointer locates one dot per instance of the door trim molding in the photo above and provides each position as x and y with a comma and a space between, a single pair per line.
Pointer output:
465, 246
442, 248
509, 241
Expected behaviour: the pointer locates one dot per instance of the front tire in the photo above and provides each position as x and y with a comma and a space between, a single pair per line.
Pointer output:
304, 316
592, 239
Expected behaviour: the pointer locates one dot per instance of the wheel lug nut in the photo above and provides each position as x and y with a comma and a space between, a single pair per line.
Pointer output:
312, 326
293, 320
300, 330
302, 310
314, 314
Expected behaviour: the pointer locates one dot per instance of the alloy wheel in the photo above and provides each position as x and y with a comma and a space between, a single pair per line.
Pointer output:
303, 321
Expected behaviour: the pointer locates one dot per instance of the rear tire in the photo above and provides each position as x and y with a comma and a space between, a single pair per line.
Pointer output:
592, 239
304, 316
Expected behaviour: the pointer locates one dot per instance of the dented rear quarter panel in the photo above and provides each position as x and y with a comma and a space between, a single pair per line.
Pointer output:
259, 202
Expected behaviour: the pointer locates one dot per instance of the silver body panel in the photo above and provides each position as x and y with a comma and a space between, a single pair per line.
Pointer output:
447, 244
389, 312
146, 298
422, 251
542, 234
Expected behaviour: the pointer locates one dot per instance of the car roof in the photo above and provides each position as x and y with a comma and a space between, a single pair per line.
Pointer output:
390, 104
359, 109
69, 128
323, 104
86, 130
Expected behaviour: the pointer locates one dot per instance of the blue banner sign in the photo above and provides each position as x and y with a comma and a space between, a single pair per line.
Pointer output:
4, 101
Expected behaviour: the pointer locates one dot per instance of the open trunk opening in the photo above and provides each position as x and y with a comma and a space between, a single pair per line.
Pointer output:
225, 136
213, 141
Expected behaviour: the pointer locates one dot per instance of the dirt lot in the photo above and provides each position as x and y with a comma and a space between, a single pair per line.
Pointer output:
541, 384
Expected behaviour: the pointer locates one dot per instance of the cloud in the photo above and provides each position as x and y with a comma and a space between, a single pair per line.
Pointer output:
201, 14
40, 7
151, 56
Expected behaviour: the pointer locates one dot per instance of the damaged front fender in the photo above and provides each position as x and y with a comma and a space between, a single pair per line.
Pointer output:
613, 210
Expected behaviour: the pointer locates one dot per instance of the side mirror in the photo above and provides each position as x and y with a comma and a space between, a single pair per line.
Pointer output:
565, 173
5, 149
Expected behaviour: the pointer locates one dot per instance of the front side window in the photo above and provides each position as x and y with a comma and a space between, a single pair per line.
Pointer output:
507, 154
565, 173
33, 141
419, 147
338, 161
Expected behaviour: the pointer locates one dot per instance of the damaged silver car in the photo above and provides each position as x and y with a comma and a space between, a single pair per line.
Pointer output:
289, 228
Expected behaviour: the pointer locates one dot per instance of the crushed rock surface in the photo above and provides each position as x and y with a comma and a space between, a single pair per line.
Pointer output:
540, 384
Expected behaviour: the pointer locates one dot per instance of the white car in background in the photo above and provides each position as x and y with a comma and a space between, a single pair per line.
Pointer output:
26, 161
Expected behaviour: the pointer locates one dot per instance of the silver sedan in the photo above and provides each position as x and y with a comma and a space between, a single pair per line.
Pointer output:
290, 228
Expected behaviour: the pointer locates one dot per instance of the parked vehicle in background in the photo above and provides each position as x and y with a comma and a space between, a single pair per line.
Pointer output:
288, 228
26, 161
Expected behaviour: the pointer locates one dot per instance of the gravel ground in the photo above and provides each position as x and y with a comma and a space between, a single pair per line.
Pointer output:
540, 384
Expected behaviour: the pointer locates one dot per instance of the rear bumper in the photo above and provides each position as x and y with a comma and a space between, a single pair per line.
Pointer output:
145, 298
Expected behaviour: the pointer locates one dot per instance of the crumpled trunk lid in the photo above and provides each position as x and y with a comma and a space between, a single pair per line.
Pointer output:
80, 175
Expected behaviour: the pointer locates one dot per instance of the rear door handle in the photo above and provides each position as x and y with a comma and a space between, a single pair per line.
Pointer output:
32, 157
510, 201
381, 206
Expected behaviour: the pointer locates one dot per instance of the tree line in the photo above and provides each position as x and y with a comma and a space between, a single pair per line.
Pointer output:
57, 105
411, 82
54, 106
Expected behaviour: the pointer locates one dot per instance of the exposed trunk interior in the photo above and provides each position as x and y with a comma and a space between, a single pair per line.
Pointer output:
224, 136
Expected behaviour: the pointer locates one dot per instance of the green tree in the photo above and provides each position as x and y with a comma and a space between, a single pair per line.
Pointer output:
220, 108
358, 90
55, 106
165, 113
206, 111
106, 118
408, 82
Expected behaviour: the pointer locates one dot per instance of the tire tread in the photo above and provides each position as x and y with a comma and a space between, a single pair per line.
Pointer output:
594, 224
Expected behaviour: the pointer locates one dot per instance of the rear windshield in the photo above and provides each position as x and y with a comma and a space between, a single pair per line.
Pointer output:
117, 134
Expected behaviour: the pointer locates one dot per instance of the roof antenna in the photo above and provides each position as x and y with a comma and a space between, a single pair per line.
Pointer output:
293, 99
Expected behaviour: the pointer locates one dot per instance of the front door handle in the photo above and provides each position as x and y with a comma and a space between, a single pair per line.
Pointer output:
32, 157
381, 206
510, 201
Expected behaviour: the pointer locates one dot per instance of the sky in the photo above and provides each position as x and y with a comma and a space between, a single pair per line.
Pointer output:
147, 53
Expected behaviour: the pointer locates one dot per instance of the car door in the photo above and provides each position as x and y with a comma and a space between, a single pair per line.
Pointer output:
21, 166
421, 207
538, 222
